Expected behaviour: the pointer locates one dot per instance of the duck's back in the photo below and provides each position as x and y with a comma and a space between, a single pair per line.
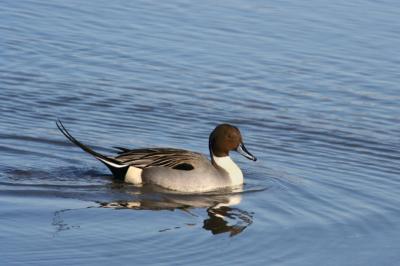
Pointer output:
175, 169
202, 177
166, 157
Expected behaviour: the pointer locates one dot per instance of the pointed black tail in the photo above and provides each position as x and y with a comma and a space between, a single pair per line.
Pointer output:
117, 168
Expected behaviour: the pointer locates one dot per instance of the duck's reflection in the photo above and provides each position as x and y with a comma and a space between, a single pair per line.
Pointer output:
227, 220
222, 216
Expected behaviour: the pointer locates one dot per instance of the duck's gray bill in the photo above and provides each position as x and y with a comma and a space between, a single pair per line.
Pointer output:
243, 151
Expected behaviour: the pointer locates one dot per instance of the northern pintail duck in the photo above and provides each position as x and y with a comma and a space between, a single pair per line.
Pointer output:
178, 169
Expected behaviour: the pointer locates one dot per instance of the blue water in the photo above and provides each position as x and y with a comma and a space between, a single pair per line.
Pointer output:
313, 86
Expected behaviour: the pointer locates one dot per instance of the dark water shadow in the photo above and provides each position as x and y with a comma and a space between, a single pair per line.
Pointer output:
222, 214
222, 217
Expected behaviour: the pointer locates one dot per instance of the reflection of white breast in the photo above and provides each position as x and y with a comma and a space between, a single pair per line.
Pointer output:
233, 170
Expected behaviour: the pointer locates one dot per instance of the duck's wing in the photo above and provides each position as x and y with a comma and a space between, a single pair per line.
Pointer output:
166, 157
121, 150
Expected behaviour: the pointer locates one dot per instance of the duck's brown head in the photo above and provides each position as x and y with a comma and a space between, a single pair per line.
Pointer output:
226, 138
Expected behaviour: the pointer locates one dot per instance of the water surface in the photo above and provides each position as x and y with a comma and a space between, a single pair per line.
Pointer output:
313, 86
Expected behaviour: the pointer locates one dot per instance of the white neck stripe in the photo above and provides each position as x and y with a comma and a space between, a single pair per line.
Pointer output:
234, 172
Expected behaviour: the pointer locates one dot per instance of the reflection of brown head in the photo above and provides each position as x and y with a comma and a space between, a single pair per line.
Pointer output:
218, 221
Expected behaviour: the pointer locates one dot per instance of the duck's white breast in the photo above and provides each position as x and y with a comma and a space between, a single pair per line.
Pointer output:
234, 172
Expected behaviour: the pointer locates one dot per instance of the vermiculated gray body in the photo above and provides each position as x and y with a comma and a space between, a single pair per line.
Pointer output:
178, 169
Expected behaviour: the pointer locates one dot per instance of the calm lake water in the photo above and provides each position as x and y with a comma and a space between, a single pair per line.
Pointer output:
313, 86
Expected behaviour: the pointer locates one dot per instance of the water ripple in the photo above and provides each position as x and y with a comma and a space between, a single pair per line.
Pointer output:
315, 95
